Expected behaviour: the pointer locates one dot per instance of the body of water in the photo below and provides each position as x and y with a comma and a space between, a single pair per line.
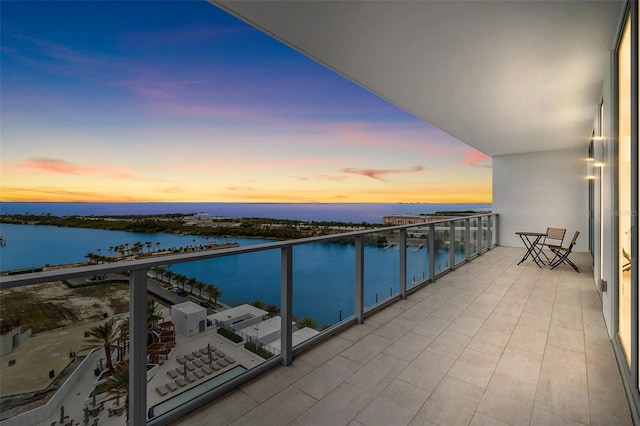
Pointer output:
340, 212
324, 273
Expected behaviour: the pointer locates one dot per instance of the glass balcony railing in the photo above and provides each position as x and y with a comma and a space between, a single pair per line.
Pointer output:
155, 342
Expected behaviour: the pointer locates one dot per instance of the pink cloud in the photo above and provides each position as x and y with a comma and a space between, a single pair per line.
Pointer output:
377, 173
473, 157
55, 165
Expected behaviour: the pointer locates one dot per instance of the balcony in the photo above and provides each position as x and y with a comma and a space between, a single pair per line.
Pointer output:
481, 342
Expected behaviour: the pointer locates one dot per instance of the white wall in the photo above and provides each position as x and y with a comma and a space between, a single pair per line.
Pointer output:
537, 190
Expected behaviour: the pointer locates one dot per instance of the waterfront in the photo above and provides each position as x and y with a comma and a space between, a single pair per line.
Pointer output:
323, 273
339, 212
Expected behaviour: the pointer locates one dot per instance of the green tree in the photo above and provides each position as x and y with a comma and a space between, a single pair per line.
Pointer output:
214, 293
104, 335
307, 322
118, 387
200, 286
272, 310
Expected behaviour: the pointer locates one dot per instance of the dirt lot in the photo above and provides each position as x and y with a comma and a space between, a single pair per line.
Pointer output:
49, 306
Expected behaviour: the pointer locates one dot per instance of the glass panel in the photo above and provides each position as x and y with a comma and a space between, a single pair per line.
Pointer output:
442, 247
222, 319
417, 255
474, 236
624, 188
323, 283
57, 332
459, 241
381, 267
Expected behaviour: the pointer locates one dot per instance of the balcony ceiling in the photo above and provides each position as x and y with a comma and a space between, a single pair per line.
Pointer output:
502, 76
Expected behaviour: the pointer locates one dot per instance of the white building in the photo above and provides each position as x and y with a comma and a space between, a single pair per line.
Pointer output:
189, 318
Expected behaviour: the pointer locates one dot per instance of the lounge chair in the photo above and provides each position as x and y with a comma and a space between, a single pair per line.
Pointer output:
162, 390
171, 386
181, 381
173, 374
199, 374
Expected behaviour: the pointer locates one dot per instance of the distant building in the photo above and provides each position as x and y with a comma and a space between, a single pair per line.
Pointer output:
408, 219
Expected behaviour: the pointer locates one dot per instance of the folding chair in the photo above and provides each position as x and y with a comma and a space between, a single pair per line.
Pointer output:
562, 254
555, 237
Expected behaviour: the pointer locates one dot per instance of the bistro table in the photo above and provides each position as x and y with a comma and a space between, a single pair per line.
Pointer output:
530, 241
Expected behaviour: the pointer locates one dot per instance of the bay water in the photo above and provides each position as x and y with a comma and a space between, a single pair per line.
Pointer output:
323, 273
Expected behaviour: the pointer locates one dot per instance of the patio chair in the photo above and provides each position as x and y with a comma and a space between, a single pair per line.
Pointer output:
555, 237
562, 254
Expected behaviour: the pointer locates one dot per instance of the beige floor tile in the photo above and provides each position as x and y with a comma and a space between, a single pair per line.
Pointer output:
491, 342
501, 323
450, 310
358, 331
449, 344
466, 324
564, 361
275, 380
365, 349
520, 365
281, 409
569, 320
453, 402
387, 314
479, 310
474, 367
528, 340
606, 390
480, 419
427, 370
327, 377
324, 351
431, 326
534, 322
397, 404
378, 373
421, 421
567, 338
605, 416
408, 347
563, 396
544, 418
227, 409
508, 400
339, 407
395, 328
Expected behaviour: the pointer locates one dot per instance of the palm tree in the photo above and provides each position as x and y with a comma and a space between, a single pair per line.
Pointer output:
213, 292
259, 304
200, 286
169, 274
192, 283
104, 335
118, 386
272, 310
182, 280
307, 322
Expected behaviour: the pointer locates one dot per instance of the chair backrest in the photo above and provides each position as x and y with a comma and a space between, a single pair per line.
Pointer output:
556, 235
574, 239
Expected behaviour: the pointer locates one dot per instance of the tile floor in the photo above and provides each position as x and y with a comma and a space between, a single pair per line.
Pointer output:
492, 343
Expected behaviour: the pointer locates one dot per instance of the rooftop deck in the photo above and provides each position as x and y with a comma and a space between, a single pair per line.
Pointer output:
491, 343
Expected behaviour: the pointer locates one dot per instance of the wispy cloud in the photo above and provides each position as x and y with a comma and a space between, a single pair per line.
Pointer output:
378, 173
475, 158
55, 165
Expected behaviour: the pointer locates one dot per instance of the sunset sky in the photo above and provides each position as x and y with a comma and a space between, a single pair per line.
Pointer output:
178, 101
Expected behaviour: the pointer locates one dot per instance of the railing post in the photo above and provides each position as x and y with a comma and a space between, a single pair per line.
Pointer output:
497, 229
138, 347
286, 308
452, 245
489, 231
467, 239
359, 284
402, 243
432, 252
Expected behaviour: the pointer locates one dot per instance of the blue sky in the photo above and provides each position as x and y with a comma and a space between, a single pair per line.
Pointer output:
178, 101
